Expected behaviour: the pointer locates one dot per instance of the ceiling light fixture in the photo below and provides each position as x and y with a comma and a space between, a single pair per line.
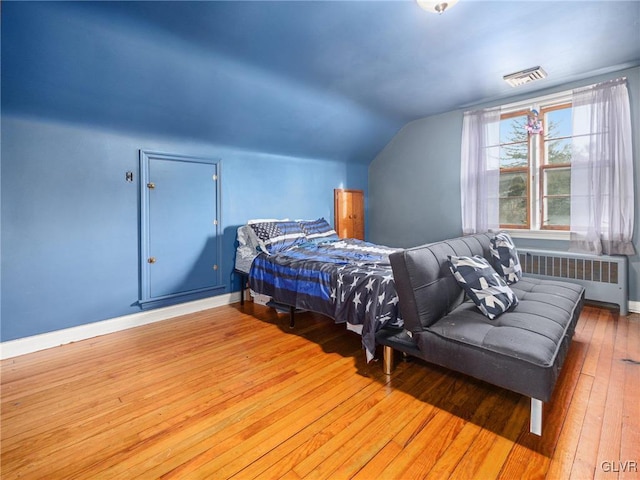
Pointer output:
436, 6
525, 76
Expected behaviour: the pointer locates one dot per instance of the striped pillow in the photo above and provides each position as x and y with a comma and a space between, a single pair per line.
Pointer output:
278, 236
318, 230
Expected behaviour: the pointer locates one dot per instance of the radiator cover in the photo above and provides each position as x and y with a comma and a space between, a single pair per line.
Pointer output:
604, 277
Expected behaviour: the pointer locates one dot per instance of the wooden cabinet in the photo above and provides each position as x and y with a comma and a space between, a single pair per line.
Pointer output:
349, 213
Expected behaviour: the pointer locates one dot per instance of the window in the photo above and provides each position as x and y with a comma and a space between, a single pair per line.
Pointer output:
555, 168
571, 179
535, 169
515, 165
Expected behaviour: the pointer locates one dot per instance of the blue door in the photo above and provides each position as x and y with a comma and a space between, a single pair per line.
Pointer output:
180, 240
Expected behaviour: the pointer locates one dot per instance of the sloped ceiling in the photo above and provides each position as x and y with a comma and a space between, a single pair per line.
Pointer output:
320, 79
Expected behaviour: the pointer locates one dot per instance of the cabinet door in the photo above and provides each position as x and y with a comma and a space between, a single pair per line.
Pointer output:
180, 238
349, 213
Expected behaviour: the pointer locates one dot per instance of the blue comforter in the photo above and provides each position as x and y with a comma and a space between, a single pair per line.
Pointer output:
348, 280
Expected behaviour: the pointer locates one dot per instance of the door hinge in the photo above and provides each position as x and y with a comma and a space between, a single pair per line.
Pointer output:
215, 178
215, 222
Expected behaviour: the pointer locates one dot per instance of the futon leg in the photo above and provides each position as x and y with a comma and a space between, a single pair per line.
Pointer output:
387, 360
292, 320
535, 421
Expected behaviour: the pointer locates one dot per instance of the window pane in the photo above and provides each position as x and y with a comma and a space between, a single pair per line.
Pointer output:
513, 211
557, 211
513, 185
557, 181
512, 129
558, 151
513, 198
514, 155
557, 123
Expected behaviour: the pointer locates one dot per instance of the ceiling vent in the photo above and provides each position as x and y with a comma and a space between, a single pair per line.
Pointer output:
525, 76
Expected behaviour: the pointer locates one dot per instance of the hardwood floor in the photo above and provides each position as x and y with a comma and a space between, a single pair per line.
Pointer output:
232, 392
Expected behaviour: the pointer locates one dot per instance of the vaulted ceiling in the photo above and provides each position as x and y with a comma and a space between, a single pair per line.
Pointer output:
321, 79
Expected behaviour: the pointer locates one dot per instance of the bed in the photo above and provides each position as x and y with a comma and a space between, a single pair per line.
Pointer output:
304, 265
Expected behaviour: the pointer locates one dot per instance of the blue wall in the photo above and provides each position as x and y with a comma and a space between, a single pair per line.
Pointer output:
70, 220
83, 90
414, 183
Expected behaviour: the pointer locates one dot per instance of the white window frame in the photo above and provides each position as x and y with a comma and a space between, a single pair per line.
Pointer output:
535, 201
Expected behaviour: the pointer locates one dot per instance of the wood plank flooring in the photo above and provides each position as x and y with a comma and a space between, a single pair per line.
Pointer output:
232, 392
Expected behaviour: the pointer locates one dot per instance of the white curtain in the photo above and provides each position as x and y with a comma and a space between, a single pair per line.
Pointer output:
602, 197
480, 171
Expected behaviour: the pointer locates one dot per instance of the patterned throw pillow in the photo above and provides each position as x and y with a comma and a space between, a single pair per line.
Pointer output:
318, 230
483, 285
278, 236
504, 256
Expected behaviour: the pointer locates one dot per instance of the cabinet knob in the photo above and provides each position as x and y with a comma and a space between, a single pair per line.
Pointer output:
151, 259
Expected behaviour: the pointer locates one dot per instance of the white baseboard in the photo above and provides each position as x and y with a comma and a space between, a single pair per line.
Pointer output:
634, 307
22, 346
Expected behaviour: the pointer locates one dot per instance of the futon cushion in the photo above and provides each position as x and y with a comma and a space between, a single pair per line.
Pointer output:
504, 257
522, 350
483, 285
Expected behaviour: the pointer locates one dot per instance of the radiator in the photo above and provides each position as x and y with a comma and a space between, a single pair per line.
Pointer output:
603, 277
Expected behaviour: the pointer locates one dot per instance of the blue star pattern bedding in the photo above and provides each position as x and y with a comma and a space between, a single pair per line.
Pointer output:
348, 280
